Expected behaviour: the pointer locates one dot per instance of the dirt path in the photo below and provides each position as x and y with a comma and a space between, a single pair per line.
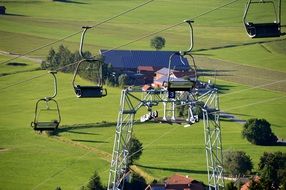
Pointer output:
104, 156
247, 75
14, 55
101, 154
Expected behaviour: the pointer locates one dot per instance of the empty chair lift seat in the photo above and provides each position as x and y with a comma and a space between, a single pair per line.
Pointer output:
263, 29
90, 91
45, 126
180, 85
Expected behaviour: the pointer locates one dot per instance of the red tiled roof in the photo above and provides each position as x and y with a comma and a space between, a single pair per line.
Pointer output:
247, 184
146, 87
145, 68
176, 182
178, 179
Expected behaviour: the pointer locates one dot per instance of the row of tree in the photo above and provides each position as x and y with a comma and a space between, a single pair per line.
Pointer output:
272, 166
271, 170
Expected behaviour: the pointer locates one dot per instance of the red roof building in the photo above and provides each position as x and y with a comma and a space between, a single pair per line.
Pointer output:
177, 182
161, 76
247, 184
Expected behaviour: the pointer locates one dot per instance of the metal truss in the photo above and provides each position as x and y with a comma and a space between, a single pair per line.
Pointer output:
213, 143
131, 101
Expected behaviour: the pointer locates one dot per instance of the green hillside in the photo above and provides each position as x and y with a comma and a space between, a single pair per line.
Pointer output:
251, 79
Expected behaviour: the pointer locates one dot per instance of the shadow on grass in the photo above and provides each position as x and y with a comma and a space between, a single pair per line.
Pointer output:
74, 127
90, 141
278, 126
240, 121
175, 170
13, 14
211, 72
69, 1
239, 114
281, 143
83, 133
237, 45
223, 88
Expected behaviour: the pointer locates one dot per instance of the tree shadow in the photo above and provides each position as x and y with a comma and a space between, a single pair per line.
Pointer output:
13, 14
91, 141
278, 126
175, 170
70, 1
280, 143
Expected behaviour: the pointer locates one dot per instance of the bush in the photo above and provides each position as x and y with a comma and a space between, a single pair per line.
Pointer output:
157, 42
230, 186
237, 163
258, 131
95, 183
122, 80
136, 182
135, 149
272, 168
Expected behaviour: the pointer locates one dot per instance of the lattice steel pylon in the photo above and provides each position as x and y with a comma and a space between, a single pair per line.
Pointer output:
213, 143
132, 100
129, 104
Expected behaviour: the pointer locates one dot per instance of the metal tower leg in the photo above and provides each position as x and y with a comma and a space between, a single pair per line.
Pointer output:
123, 134
169, 110
213, 142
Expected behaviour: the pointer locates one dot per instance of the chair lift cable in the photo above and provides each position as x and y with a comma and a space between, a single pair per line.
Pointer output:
136, 41
78, 32
172, 26
117, 47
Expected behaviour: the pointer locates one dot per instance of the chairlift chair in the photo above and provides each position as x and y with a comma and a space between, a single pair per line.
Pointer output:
81, 91
43, 124
183, 85
43, 107
267, 29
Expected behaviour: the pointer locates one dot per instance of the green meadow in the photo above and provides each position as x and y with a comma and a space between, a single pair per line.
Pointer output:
251, 80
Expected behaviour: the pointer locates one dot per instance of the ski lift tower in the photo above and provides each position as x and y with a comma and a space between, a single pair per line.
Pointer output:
176, 93
131, 101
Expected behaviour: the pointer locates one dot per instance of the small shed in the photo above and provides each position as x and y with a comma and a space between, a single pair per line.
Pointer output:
2, 10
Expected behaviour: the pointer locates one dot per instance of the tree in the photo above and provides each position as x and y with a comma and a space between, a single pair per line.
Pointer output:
136, 182
230, 186
95, 183
157, 42
122, 80
272, 169
255, 184
258, 131
51, 61
237, 163
135, 149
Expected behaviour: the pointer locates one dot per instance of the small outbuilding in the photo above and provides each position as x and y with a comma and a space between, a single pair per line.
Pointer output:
2, 10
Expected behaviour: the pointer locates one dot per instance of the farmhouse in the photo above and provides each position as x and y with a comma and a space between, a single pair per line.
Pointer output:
2, 10
141, 60
177, 182
161, 76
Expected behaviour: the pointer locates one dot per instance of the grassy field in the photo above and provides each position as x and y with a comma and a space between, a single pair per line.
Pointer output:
84, 142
